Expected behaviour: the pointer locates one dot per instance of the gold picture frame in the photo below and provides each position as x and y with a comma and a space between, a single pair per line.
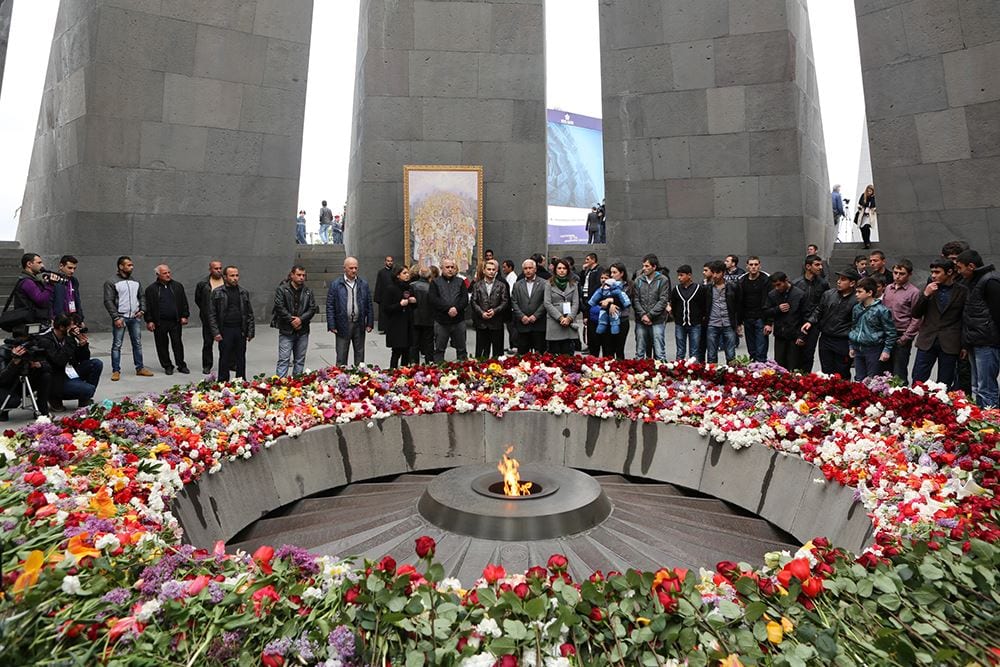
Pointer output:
443, 215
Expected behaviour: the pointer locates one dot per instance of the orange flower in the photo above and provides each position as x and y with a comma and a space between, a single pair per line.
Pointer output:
80, 549
102, 503
33, 565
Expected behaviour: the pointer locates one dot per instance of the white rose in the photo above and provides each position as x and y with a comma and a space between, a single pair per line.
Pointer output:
71, 585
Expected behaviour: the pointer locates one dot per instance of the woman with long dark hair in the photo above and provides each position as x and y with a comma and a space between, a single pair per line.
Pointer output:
398, 304
614, 343
562, 303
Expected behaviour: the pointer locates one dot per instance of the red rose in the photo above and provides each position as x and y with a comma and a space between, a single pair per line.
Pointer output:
812, 586
522, 590
596, 577
535, 572
566, 650
727, 568
821, 542
270, 660
425, 546
668, 601
387, 564
766, 587
351, 595
557, 563
494, 573
798, 568
196, 585
506, 661
595, 615
35, 478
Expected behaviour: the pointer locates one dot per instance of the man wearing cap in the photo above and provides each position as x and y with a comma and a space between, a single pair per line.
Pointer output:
832, 316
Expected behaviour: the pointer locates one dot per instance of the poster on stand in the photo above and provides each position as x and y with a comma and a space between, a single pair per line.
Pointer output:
443, 215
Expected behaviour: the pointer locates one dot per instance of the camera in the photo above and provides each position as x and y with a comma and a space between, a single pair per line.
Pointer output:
33, 350
51, 276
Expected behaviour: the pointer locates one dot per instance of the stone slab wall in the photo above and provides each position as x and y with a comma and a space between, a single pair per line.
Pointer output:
170, 132
6, 10
443, 82
712, 132
932, 85
775, 486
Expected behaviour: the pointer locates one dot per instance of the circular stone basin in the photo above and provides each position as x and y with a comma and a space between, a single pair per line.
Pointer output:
459, 501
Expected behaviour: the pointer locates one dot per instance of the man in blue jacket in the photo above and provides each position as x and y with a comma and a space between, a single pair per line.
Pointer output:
349, 313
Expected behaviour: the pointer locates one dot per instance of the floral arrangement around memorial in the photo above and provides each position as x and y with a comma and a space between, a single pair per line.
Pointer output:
94, 570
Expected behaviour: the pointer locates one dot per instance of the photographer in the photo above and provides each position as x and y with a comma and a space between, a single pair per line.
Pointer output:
22, 356
74, 373
34, 291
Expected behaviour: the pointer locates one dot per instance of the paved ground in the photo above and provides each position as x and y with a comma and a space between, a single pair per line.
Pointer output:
261, 356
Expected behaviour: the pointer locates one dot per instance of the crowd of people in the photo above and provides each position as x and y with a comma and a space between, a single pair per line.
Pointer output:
861, 320
331, 226
864, 319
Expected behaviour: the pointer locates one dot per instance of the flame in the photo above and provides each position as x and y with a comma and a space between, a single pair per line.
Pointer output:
512, 485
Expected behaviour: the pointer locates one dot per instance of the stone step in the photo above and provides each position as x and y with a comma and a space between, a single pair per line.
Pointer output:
309, 528
654, 516
653, 490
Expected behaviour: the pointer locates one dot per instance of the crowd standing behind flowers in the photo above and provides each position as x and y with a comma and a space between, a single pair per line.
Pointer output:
94, 569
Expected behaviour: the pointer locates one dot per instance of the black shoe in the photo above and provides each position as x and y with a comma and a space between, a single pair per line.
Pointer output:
206, 369
57, 406
169, 370
184, 369
85, 402
5, 416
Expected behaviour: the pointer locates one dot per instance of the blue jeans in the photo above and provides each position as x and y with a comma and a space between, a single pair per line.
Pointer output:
925, 360
658, 334
134, 327
724, 337
757, 342
688, 340
867, 363
83, 387
300, 234
293, 346
324, 233
337, 236
985, 368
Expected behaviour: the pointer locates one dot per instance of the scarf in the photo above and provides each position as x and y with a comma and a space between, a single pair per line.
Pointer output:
560, 282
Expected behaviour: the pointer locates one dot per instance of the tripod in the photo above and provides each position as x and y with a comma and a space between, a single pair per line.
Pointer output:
27, 396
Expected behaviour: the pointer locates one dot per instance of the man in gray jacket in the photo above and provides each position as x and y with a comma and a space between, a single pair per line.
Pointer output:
652, 293
527, 302
126, 304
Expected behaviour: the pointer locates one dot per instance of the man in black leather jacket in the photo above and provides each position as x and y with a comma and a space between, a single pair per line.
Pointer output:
230, 318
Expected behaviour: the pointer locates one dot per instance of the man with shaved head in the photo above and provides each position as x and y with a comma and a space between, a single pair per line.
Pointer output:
349, 314
166, 313
449, 299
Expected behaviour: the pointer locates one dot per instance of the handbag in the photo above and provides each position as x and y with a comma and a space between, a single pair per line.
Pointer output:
12, 318
857, 215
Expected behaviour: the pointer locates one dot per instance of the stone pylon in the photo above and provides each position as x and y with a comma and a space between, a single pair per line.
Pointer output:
6, 10
448, 83
713, 137
171, 133
932, 87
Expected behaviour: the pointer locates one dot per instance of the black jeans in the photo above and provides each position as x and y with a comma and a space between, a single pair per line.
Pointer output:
423, 344
489, 343
530, 341
167, 336
399, 355
232, 353
207, 345
899, 361
613, 345
835, 355
561, 346
787, 353
866, 234
807, 353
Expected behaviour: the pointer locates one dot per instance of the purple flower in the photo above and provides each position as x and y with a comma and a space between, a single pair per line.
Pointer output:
299, 557
117, 596
278, 646
341, 640
171, 590
215, 593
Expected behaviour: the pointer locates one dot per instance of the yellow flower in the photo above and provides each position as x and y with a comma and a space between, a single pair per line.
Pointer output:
775, 633
642, 620
786, 625
80, 549
32, 568
732, 660
103, 504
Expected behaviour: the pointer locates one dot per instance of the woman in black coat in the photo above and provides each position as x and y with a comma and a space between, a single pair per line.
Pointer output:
398, 304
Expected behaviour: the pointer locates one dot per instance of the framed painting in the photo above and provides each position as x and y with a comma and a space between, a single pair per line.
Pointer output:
443, 215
